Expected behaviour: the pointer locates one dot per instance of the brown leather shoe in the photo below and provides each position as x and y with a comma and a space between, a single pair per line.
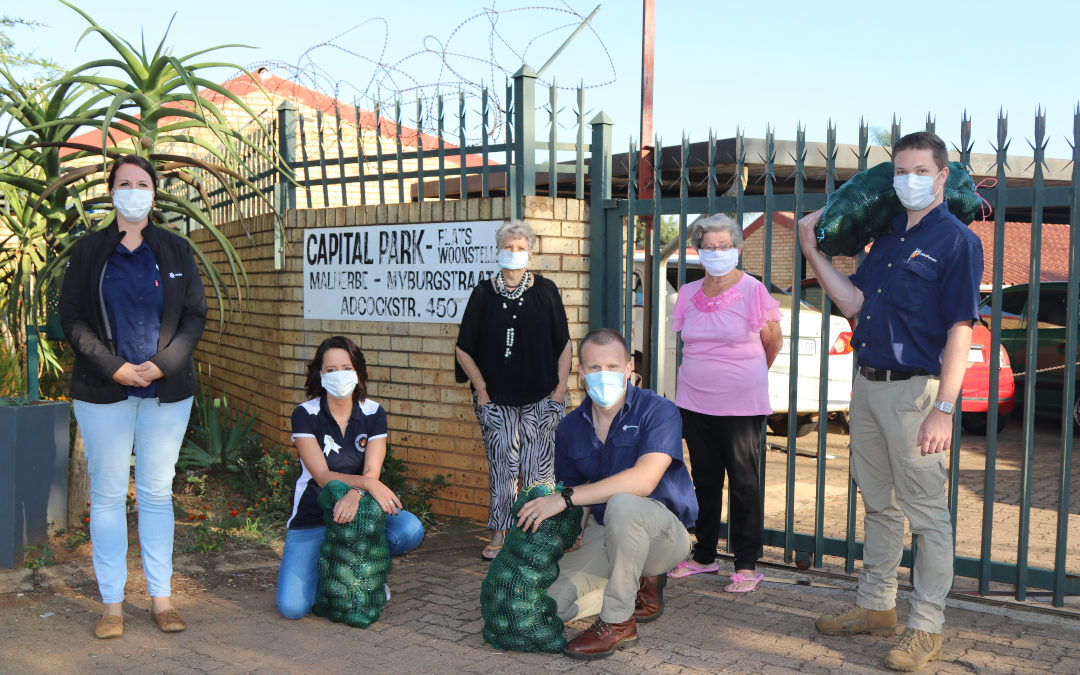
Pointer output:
168, 621
649, 604
601, 639
109, 626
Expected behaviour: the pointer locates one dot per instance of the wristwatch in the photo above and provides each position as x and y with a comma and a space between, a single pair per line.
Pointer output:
567, 493
945, 407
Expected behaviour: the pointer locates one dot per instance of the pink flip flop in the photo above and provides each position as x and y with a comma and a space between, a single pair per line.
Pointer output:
685, 569
741, 584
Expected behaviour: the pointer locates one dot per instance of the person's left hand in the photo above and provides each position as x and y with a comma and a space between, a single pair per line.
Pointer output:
149, 371
385, 497
935, 433
345, 509
539, 510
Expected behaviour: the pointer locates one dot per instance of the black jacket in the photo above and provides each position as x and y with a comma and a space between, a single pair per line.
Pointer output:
86, 324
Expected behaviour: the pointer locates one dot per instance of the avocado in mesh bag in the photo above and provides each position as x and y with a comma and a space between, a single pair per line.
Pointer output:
518, 613
353, 561
862, 209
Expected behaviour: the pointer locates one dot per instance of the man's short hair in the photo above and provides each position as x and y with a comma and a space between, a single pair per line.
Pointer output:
603, 336
924, 140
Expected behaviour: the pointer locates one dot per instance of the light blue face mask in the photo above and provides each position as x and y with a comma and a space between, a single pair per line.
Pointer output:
512, 260
605, 387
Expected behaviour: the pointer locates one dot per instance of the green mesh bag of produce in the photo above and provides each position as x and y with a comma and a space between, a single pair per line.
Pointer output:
519, 615
353, 561
862, 209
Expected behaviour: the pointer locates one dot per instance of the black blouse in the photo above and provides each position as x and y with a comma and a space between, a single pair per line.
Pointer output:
540, 335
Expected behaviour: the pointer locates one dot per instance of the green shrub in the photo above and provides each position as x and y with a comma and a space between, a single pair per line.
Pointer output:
416, 494
218, 434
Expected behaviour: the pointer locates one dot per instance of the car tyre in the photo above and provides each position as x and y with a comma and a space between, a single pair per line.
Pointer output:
975, 423
778, 424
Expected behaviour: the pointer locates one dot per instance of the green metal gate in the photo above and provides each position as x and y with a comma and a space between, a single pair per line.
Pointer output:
679, 174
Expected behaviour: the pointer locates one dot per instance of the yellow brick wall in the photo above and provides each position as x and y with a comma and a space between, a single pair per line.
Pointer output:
262, 355
783, 242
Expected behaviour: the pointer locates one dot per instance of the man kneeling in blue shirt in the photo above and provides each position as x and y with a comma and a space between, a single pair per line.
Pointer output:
619, 455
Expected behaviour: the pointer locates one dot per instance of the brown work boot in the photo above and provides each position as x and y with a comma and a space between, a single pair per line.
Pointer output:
601, 639
855, 620
649, 604
914, 650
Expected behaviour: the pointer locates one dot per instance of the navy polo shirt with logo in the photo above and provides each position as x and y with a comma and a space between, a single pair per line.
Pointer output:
646, 423
133, 301
344, 453
916, 284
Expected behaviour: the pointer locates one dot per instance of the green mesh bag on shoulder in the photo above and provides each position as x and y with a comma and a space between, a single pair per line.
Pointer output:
353, 561
518, 613
862, 209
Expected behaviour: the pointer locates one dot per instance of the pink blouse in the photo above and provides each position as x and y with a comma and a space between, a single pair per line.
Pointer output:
724, 371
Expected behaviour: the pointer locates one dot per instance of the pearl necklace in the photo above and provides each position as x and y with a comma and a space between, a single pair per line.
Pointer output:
517, 292
511, 295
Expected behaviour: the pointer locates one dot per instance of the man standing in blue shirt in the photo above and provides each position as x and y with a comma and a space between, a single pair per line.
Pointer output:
619, 455
916, 296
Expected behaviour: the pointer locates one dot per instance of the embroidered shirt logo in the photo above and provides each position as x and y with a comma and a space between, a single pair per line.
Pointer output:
329, 444
630, 426
917, 253
361, 443
174, 275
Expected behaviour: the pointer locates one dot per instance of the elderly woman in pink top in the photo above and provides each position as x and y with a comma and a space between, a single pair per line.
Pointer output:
731, 334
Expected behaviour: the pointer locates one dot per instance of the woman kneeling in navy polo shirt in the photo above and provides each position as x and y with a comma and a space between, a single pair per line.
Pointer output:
340, 434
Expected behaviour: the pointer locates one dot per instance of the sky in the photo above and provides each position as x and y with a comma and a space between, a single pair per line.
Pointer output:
718, 65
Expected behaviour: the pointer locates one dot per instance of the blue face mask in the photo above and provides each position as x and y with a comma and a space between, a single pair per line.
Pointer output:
605, 387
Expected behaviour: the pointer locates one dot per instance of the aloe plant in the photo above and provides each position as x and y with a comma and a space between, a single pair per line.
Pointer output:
150, 103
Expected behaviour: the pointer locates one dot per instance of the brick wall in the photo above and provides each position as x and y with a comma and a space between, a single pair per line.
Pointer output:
782, 252
262, 355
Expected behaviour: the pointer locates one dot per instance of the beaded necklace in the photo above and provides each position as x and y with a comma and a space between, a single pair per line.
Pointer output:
511, 295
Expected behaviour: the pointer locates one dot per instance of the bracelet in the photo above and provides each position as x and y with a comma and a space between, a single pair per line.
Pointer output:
359, 492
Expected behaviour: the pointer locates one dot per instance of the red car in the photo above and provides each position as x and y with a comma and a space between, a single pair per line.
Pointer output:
976, 388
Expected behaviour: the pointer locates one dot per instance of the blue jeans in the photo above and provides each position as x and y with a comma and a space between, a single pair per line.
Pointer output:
110, 432
298, 578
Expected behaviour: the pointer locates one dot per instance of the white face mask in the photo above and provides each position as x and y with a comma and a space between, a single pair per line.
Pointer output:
133, 205
512, 260
915, 192
340, 383
718, 263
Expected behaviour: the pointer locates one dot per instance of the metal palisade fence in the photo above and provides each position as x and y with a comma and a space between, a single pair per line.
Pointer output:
689, 179
354, 157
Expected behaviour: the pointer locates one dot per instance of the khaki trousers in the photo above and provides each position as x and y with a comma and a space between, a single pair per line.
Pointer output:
640, 537
896, 480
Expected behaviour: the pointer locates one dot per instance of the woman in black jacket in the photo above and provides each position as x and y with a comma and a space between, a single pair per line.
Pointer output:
133, 308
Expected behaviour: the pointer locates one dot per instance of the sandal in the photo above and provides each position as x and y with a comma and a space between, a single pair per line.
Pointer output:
494, 546
686, 568
741, 584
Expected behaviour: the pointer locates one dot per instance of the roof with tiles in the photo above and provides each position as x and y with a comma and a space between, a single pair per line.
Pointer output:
1054, 263
274, 90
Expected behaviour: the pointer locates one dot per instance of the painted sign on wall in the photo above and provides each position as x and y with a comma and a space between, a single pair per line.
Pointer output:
417, 273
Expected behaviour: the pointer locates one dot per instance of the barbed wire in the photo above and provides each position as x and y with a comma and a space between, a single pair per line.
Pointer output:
413, 77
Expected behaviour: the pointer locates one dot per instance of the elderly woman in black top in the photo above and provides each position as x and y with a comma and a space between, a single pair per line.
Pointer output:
514, 349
